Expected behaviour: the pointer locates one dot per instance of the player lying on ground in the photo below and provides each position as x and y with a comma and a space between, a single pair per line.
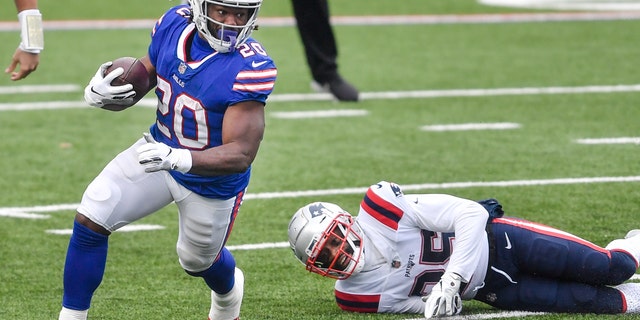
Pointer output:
425, 253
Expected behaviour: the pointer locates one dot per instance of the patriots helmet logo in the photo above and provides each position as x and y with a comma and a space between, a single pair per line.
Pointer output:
317, 209
396, 189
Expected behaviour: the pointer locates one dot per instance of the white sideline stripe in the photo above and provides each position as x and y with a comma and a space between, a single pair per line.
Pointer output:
608, 5
129, 228
39, 88
621, 140
418, 94
495, 315
361, 190
625, 14
319, 114
471, 126
635, 277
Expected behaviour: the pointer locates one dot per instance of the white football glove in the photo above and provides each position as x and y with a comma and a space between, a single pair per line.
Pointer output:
100, 92
156, 156
444, 299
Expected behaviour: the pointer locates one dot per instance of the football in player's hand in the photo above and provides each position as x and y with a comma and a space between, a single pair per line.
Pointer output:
135, 74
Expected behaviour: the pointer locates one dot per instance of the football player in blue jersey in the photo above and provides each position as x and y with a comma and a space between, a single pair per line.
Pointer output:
425, 253
212, 81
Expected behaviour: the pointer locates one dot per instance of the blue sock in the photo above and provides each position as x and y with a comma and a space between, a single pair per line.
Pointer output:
220, 276
84, 266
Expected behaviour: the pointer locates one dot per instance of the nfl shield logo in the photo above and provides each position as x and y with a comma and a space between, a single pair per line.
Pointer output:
182, 68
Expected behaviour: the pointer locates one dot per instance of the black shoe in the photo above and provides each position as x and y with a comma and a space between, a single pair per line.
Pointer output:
339, 88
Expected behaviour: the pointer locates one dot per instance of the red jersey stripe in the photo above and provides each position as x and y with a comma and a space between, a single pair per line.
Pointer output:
357, 302
381, 210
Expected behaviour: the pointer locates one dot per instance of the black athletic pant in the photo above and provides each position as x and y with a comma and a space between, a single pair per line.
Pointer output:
312, 17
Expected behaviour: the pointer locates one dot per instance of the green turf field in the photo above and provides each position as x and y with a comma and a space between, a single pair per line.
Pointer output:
49, 156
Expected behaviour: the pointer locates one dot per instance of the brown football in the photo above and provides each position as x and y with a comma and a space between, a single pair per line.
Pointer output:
135, 74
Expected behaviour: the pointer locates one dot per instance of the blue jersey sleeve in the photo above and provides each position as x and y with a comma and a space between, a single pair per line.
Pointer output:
256, 79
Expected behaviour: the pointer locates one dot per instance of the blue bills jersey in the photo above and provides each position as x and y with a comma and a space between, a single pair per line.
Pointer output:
195, 86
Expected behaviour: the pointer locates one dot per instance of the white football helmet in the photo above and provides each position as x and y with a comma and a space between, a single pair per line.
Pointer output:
227, 37
327, 240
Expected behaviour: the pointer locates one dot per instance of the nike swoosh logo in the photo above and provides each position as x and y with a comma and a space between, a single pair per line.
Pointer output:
506, 275
257, 64
478, 287
508, 241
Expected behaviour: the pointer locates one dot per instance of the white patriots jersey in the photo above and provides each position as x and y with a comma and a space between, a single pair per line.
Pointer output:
409, 242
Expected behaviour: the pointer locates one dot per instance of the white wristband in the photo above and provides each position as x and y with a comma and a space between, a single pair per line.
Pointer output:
183, 161
31, 31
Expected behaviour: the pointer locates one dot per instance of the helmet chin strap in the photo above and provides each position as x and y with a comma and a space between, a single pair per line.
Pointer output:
228, 36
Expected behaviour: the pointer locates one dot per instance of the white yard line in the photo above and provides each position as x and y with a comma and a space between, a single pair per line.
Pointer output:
257, 246
493, 315
388, 95
23, 215
361, 190
28, 89
128, 228
426, 94
619, 140
319, 114
606, 5
470, 126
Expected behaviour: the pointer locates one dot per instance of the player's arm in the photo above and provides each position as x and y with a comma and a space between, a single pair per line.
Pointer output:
242, 132
468, 220
26, 4
151, 69
411, 304
27, 55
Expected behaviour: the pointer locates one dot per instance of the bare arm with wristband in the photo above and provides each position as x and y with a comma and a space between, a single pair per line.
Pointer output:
27, 56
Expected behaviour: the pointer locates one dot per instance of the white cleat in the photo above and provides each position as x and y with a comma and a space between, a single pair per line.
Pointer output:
630, 244
227, 306
632, 233
631, 293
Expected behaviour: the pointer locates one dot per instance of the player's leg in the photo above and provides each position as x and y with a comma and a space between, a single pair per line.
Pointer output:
120, 194
531, 293
316, 33
630, 245
548, 252
314, 26
205, 225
